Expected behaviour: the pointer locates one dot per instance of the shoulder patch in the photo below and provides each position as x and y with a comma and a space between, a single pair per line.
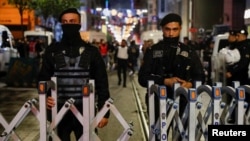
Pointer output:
184, 53
157, 53
81, 49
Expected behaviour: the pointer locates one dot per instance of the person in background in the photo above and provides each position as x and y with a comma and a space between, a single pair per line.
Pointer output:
121, 60
186, 40
225, 54
170, 61
5, 39
111, 52
147, 44
103, 47
239, 70
133, 52
95, 43
207, 54
74, 62
22, 47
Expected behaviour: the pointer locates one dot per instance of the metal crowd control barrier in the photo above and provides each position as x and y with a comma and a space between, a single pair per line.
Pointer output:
192, 123
20, 116
88, 119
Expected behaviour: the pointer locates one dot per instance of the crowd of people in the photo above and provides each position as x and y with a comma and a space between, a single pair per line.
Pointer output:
120, 56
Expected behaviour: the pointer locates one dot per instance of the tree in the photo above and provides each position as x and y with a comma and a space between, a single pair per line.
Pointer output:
52, 8
44, 8
21, 5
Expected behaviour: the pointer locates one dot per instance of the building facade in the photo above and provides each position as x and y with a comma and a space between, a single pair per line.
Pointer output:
10, 17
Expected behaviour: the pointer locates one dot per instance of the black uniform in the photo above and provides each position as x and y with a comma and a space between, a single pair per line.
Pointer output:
163, 60
239, 70
74, 63
133, 54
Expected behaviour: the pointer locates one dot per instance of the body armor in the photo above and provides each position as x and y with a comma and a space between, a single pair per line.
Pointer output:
72, 73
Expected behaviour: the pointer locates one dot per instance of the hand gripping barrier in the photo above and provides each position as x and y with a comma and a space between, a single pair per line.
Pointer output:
88, 119
48, 129
204, 106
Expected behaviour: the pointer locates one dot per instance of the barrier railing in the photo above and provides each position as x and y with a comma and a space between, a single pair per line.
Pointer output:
205, 105
88, 118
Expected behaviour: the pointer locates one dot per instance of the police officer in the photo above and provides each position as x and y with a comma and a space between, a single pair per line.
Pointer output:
239, 71
232, 39
5, 39
207, 54
170, 61
231, 45
74, 62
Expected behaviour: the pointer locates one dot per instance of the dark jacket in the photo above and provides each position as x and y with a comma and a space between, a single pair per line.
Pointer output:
164, 61
133, 54
94, 63
239, 70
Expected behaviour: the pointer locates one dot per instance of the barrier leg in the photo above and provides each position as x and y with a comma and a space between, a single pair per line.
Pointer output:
240, 92
216, 108
51, 128
42, 90
23, 112
5, 125
163, 112
192, 116
151, 107
128, 131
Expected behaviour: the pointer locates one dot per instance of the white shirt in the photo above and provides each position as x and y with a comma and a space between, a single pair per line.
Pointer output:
122, 52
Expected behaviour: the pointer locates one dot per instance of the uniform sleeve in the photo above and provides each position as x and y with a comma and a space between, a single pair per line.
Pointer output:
243, 63
197, 72
99, 74
146, 72
47, 68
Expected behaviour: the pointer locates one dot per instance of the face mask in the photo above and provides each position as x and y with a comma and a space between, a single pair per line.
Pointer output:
69, 30
173, 40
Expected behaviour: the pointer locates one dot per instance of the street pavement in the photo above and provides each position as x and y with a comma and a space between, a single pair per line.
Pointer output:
12, 99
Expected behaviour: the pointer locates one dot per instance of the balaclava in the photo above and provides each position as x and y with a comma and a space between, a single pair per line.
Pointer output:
70, 31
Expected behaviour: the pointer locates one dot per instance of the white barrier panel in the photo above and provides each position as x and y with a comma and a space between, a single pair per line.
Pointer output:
192, 123
22, 113
48, 129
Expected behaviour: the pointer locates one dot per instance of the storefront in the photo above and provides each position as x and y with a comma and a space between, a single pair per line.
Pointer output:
10, 17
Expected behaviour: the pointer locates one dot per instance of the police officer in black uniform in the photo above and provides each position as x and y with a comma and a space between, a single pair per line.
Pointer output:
239, 71
74, 62
231, 45
170, 61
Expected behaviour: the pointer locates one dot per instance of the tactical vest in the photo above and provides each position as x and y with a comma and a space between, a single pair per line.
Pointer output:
72, 74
